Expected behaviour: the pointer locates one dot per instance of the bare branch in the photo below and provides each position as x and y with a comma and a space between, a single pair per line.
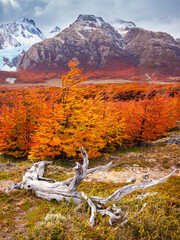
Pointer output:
14, 186
91, 170
67, 190
93, 209
99, 168
121, 192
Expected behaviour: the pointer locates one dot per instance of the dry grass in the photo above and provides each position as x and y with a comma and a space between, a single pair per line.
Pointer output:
57, 83
25, 216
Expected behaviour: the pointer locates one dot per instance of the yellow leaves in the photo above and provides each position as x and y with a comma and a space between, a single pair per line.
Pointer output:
54, 122
70, 85
70, 80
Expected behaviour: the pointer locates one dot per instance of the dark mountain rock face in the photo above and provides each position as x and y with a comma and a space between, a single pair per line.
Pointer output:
96, 45
154, 50
89, 39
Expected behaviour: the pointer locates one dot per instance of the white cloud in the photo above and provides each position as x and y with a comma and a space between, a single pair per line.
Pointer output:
4, 1
169, 25
13, 3
155, 15
38, 11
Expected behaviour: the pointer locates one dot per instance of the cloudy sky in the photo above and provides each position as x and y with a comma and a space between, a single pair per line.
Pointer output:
156, 15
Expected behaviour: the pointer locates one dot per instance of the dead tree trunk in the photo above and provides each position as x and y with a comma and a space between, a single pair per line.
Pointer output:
51, 189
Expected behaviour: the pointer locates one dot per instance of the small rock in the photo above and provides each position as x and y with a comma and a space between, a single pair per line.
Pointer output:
132, 179
146, 180
135, 165
146, 175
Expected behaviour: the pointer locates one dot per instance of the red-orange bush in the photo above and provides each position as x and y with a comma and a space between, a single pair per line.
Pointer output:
54, 122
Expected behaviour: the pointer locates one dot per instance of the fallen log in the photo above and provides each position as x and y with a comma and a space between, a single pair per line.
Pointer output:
67, 190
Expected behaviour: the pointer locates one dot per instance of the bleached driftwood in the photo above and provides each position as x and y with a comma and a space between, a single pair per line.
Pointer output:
52, 189
67, 190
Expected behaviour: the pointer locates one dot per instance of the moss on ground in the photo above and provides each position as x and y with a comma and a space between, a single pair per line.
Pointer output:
163, 157
24, 216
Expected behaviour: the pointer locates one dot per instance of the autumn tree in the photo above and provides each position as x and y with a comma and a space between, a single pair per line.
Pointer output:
148, 119
17, 124
72, 120
69, 122
54, 122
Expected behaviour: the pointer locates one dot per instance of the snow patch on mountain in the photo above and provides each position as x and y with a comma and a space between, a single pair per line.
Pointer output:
122, 26
10, 80
85, 24
7, 57
53, 32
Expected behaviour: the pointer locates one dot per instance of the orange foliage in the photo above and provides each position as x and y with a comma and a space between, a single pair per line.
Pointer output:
148, 119
69, 123
54, 122
18, 123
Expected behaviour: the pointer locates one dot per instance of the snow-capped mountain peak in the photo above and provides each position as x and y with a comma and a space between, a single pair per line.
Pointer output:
91, 22
22, 32
15, 38
55, 30
86, 24
24, 20
90, 19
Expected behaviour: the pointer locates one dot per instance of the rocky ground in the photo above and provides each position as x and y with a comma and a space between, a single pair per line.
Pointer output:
156, 159
130, 174
25, 216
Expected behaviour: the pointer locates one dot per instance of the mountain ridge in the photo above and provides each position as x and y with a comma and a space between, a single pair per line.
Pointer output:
98, 45
16, 38
21, 32
89, 40
103, 51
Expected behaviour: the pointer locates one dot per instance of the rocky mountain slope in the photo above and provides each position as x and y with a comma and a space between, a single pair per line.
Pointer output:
97, 45
93, 42
154, 50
